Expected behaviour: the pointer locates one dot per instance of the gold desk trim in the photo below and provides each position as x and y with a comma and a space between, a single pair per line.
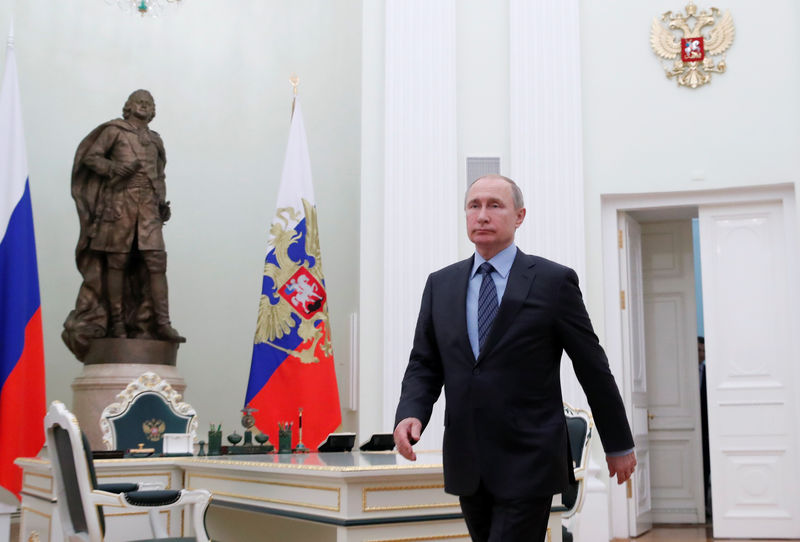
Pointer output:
35, 488
134, 460
181, 461
29, 509
47, 516
32, 460
300, 504
299, 466
365, 508
422, 538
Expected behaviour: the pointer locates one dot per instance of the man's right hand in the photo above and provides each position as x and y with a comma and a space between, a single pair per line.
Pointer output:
406, 434
125, 170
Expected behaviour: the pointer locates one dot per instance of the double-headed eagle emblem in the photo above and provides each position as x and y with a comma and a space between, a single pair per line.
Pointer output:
297, 287
705, 34
153, 429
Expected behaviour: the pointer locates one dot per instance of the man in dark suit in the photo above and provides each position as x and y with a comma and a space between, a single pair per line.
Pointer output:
491, 330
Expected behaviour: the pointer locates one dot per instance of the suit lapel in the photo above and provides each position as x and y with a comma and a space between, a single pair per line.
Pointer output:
460, 284
519, 283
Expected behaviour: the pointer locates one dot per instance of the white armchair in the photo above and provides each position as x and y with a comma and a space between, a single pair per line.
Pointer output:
80, 501
579, 427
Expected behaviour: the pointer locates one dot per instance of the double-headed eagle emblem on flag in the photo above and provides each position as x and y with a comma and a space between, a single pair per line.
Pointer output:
705, 34
298, 298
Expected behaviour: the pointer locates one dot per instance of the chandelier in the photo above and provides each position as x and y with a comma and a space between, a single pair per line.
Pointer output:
154, 8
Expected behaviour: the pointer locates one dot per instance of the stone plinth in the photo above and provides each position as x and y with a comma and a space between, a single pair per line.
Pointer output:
109, 367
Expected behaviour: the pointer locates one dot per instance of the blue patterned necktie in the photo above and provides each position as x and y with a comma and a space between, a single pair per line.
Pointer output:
487, 303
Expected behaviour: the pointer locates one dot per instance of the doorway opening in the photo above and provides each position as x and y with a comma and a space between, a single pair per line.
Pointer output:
672, 317
751, 311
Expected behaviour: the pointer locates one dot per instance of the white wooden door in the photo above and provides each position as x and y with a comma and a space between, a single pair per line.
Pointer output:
673, 389
749, 294
635, 380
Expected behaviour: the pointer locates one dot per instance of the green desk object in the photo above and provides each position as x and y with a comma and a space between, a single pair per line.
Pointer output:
263, 442
215, 440
234, 438
285, 437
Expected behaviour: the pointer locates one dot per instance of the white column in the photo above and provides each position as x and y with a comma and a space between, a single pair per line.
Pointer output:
368, 385
421, 198
547, 162
546, 136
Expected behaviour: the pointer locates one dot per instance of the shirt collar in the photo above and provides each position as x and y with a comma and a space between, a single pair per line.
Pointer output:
501, 261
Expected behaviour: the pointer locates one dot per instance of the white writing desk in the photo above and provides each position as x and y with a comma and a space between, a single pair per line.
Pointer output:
325, 497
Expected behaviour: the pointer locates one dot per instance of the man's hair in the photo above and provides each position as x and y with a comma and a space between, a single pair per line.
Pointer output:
516, 192
126, 109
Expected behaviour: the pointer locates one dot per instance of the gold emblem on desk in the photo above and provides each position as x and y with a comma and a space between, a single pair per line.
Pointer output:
705, 35
154, 429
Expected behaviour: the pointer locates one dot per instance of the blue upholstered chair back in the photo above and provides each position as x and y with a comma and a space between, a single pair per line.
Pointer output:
146, 409
577, 428
145, 421
66, 461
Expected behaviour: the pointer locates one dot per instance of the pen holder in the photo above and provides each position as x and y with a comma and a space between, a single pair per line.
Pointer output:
214, 442
285, 440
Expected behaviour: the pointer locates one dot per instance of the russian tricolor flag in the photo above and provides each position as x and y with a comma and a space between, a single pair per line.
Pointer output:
292, 366
22, 383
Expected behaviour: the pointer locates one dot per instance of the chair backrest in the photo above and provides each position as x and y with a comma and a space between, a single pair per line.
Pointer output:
579, 428
146, 409
73, 472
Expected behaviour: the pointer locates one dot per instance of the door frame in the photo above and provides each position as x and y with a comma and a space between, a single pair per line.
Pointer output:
611, 206
634, 386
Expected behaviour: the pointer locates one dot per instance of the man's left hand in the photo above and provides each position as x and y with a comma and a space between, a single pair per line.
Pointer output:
623, 466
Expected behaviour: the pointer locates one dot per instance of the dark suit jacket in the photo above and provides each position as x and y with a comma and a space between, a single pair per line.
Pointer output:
504, 420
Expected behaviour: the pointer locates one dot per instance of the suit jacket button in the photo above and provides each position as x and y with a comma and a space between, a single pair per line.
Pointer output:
476, 371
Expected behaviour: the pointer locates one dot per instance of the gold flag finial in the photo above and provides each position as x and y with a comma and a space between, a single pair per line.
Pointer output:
295, 81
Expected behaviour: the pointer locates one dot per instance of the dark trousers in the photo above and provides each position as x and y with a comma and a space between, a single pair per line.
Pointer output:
490, 519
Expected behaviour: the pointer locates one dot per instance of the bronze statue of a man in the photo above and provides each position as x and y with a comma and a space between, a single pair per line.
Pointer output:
119, 190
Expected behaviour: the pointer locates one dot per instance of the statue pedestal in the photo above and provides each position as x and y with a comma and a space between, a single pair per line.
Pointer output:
109, 366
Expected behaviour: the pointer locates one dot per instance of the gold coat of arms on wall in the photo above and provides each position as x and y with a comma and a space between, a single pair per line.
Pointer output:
704, 35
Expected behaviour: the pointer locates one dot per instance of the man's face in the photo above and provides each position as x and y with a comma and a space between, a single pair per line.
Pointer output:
492, 219
142, 107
